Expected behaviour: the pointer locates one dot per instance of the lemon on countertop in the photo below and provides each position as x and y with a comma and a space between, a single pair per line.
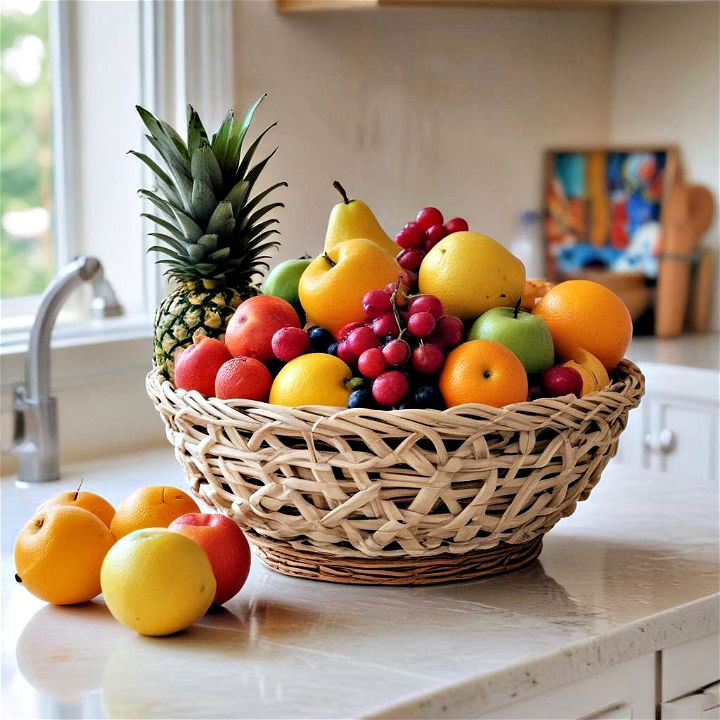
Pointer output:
314, 379
157, 582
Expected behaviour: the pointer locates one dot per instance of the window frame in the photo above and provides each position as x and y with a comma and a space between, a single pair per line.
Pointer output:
178, 40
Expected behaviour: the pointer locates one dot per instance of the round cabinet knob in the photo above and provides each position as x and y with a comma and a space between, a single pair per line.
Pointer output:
662, 443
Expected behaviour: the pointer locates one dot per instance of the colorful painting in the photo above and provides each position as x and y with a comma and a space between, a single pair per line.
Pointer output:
603, 210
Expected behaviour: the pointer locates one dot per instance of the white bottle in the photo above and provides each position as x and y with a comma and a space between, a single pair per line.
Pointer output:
527, 244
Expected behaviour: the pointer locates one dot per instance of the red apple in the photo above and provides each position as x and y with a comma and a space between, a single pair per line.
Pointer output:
250, 330
224, 544
197, 365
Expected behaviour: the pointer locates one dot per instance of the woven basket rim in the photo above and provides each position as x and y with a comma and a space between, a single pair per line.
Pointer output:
625, 372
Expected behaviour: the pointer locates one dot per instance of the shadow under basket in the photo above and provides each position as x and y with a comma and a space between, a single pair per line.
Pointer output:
402, 497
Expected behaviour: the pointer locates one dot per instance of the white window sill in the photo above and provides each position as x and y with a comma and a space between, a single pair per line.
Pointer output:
90, 332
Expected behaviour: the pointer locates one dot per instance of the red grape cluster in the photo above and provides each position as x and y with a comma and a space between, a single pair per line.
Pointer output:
398, 352
421, 235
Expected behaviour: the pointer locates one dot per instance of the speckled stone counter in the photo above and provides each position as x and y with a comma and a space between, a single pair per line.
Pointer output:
634, 570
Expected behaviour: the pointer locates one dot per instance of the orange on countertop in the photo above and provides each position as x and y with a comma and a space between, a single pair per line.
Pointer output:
483, 371
59, 553
585, 314
151, 506
91, 502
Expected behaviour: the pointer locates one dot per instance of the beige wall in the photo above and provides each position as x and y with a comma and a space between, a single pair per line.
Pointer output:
665, 83
410, 107
665, 88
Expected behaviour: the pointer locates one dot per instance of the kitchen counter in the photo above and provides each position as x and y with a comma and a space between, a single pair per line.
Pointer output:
701, 350
634, 570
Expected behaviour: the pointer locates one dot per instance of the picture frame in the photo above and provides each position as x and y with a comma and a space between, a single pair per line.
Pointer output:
602, 214
602, 207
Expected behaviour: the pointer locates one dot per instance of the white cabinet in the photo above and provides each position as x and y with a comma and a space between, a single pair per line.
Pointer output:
678, 683
690, 680
623, 691
675, 429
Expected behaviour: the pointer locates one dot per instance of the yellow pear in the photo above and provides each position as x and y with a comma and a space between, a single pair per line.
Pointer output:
352, 219
471, 273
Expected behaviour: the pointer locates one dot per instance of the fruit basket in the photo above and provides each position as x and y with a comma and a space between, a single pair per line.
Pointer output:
396, 497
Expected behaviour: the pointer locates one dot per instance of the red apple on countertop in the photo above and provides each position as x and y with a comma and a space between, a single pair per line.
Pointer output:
225, 545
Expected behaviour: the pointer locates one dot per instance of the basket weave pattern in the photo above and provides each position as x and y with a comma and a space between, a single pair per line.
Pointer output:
354, 485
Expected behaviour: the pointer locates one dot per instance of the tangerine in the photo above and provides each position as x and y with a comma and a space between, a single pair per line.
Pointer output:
483, 371
585, 314
59, 553
91, 502
151, 506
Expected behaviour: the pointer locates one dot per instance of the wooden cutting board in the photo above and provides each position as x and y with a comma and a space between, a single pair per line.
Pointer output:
701, 288
687, 214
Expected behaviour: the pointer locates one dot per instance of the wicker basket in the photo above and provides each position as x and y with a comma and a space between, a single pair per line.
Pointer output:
396, 497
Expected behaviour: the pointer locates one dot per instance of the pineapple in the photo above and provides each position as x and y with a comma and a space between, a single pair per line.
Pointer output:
215, 239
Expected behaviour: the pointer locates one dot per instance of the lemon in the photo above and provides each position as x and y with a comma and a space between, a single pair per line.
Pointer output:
471, 273
157, 582
314, 379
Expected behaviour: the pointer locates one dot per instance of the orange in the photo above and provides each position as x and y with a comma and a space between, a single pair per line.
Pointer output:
585, 314
483, 371
91, 502
151, 506
332, 287
59, 553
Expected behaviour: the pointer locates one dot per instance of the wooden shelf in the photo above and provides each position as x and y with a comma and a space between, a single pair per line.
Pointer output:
293, 6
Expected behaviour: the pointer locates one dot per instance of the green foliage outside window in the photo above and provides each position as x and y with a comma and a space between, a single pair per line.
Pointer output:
26, 246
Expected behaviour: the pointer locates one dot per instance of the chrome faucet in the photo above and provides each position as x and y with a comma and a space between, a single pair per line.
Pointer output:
35, 411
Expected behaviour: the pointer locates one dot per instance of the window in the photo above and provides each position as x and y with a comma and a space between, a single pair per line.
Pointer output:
72, 73
27, 253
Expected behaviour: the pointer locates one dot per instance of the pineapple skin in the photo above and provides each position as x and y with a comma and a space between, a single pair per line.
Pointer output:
191, 310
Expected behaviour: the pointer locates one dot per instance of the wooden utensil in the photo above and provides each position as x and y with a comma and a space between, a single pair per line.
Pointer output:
687, 215
701, 292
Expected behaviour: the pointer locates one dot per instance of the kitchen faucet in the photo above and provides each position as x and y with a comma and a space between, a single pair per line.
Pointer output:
35, 411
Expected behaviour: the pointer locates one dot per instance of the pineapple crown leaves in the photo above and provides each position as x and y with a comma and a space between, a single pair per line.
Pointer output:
209, 227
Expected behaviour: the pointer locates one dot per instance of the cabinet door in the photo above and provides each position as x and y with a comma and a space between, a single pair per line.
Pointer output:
681, 415
684, 437
622, 691
689, 666
701, 705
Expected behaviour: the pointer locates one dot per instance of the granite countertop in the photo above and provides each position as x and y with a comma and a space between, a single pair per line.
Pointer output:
634, 570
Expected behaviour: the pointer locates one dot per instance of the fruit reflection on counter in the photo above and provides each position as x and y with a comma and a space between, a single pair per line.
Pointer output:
158, 561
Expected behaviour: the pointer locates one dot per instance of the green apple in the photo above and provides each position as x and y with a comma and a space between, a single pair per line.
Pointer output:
525, 334
284, 279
